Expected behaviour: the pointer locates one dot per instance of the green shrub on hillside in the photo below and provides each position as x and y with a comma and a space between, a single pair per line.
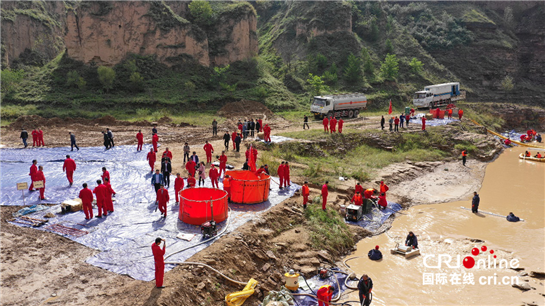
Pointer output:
416, 65
201, 11
11, 80
106, 76
390, 67
317, 84
352, 72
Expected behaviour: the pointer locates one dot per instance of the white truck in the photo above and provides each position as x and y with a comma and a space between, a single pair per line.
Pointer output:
344, 105
437, 95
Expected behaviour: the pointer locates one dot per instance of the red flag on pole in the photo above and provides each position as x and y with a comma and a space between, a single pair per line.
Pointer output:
390, 109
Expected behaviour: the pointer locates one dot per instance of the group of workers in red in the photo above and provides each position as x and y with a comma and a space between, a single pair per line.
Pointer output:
330, 124
37, 138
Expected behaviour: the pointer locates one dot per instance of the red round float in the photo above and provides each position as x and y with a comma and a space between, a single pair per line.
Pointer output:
249, 188
195, 205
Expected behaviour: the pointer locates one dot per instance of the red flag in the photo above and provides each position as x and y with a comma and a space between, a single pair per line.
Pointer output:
390, 109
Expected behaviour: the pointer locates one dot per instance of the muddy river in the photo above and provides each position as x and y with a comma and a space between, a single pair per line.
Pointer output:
510, 184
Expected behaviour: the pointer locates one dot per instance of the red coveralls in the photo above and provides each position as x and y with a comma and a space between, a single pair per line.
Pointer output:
168, 154
191, 181
287, 180
359, 189
33, 170
140, 138
251, 162
423, 123
254, 153
101, 192
324, 196
357, 199
450, 113
240, 128
35, 138
341, 122
69, 167
106, 174
281, 174
383, 188
178, 186
324, 296
209, 150
267, 131
39, 176
233, 136
151, 159
190, 167
333, 125
305, 192
460, 114
382, 201
158, 254
108, 203
214, 175
223, 163
260, 125
41, 138
162, 199
326, 124
86, 196
154, 141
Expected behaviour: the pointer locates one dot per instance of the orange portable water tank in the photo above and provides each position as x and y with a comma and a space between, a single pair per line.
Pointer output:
249, 188
195, 205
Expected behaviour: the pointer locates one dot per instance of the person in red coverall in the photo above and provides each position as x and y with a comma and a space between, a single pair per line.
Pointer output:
333, 125
190, 167
450, 113
460, 114
191, 181
358, 188
305, 192
100, 191
223, 162
214, 175
254, 152
162, 200
178, 186
281, 174
240, 126
423, 123
69, 167
167, 153
158, 256
383, 187
287, 180
151, 159
140, 139
325, 122
357, 199
209, 150
324, 194
108, 203
233, 137
251, 160
33, 170
370, 193
86, 196
382, 201
105, 174
341, 123
41, 138
35, 138
260, 125
39, 176
324, 295
267, 132
154, 141
260, 170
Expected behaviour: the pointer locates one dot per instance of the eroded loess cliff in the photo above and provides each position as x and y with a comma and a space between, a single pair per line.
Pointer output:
104, 33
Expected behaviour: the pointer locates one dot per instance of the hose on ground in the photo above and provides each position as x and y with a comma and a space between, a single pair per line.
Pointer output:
207, 240
209, 267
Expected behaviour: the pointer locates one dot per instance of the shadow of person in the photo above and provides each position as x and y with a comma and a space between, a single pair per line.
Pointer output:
478, 214
155, 294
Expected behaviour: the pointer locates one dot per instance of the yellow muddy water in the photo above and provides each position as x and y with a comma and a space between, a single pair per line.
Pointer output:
510, 184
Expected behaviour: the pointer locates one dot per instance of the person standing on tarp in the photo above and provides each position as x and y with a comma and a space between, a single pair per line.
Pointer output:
106, 140
100, 191
178, 186
111, 137
281, 174
190, 167
156, 180
33, 170
158, 256
86, 196
166, 169
202, 173
267, 131
24, 136
105, 174
223, 162
108, 202
324, 295
213, 174
39, 176
287, 179
365, 286
69, 167
162, 200
151, 159
324, 195
73, 141
140, 139
155, 141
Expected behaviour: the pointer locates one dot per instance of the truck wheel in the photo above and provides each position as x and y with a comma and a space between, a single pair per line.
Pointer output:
330, 114
351, 114
356, 113
431, 105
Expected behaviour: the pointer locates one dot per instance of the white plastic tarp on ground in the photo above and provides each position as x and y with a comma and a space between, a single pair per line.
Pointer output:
125, 236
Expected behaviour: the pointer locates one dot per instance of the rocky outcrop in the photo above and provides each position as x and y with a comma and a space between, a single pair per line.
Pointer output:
104, 33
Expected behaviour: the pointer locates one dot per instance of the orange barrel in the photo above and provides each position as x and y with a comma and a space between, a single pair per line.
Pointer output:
195, 205
249, 188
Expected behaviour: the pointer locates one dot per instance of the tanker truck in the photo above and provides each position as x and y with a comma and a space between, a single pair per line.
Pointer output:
343, 105
437, 95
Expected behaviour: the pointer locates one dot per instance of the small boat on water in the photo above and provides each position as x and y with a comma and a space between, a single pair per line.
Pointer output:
541, 160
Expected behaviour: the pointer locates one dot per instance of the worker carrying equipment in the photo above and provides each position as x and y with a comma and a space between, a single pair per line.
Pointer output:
324, 295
